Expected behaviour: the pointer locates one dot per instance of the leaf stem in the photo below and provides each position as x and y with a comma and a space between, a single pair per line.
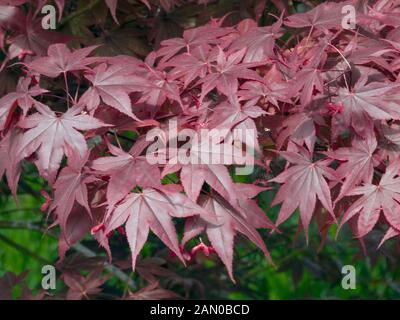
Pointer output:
66, 88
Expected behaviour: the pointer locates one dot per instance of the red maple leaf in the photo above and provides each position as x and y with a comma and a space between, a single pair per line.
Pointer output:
81, 286
359, 165
22, 97
260, 42
60, 60
32, 38
226, 73
190, 66
70, 188
50, 134
191, 39
367, 102
221, 235
324, 16
302, 184
153, 209
113, 84
383, 197
126, 170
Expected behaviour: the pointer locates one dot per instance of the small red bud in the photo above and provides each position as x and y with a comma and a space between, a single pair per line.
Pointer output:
121, 231
48, 199
24, 53
99, 227
202, 247
334, 108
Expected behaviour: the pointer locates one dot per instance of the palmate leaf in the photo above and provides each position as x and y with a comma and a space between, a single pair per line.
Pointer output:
325, 16
158, 87
113, 84
230, 220
22, 97
384, 197
189, 67
61, 60
126, 170
272, 89
367, 102
299, 128
153, 292
193, 176
32, 38
49, 135
82, 287
227, 72
70, 188
359, 165
307, 81
228, 114
302, 184
192, 39
260, 42
153, 209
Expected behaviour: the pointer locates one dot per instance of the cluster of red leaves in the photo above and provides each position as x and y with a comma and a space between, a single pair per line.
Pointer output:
327, 100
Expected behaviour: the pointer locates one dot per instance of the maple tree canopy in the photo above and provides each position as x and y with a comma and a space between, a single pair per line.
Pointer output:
323, 100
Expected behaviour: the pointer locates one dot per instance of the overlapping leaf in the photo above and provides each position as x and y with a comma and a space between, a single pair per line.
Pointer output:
303, 183
152, 209
49, 135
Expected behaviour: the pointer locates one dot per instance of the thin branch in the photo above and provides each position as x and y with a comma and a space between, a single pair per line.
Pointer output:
120, 136
18, 209
34, 226
77, 13
22, 249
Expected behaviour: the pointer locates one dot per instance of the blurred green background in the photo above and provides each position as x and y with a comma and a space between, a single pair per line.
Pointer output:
301, 271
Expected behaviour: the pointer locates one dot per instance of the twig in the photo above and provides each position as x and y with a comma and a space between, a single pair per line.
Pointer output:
18, 209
